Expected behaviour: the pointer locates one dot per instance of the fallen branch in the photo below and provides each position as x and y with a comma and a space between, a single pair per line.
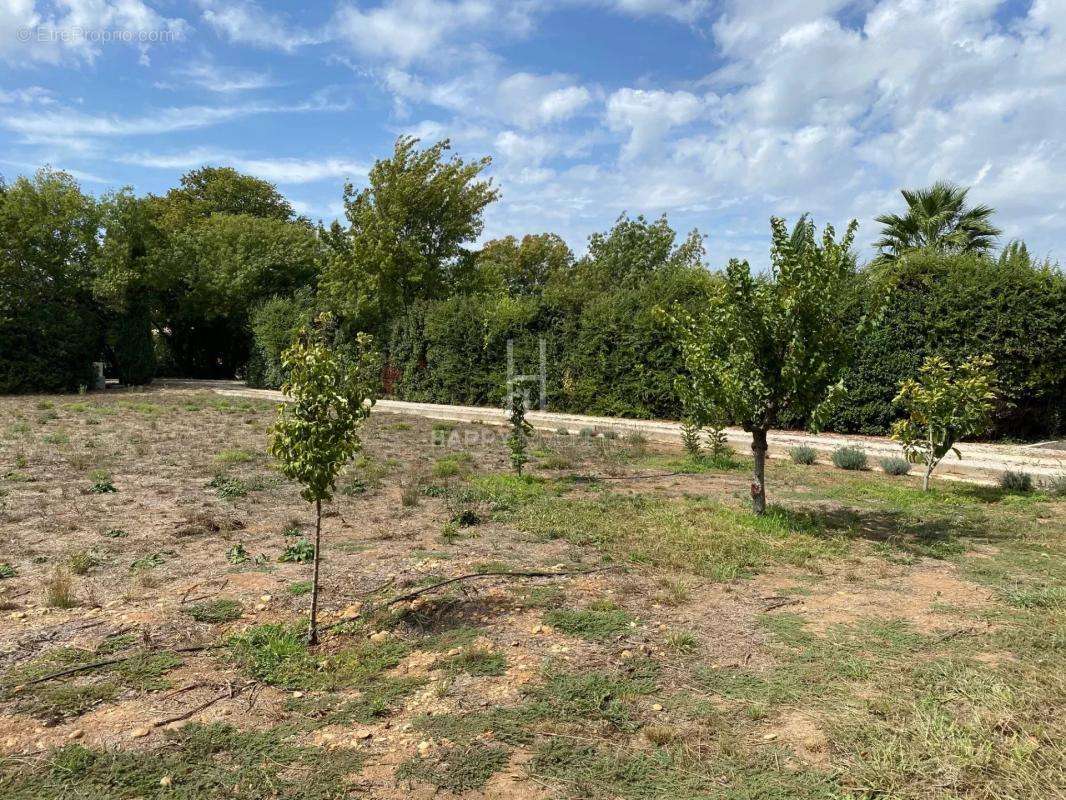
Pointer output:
230, 693
781, 603
952, 634
500, 574
107, 662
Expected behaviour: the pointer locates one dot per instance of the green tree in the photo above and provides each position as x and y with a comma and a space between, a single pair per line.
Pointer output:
521, 430
522, 268
770, 347
130, 283
50, 325
938, 219
219, 190
408, 232
944, 404
316, 434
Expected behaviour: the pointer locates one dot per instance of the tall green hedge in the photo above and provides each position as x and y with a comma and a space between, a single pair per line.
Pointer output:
958, 306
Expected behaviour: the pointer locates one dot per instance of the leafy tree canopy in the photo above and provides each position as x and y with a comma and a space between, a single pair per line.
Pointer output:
219, 190
937, 218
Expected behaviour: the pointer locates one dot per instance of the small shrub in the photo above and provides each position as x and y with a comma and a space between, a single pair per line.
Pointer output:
894, 465
638, 443
1016, 481
59, 589
7, 571
82, 561
103, 487
803, 455
238, 554
690, 440
1055, 486
116, 533
410, 488
452, 465
850, 458
562, 431
224, 609
300, 552
587, 433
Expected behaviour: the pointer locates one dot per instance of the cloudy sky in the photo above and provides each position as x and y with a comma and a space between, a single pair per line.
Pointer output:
717, 112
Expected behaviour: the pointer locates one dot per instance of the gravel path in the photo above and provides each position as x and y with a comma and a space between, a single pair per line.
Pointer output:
980, 462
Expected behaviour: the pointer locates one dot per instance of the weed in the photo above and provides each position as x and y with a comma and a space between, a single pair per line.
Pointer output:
562, 431
230, 487
803, 455
683, 642
238, 554
224, 609
894, 465
103, 487
850, 458
7, 570
378, 699
116, 533
299, 552
1016, 481
81, 561
299, 588
453, 465
234, 456
150, 561
410, 488
59, 589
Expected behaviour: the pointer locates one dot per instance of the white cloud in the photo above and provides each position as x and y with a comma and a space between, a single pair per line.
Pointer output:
246, 22
648, 114
67, 124
681, 10
78, 29
276, 170
224, 80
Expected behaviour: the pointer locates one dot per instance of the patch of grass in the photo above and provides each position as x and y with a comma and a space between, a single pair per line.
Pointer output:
299, 588
692, 536
116, 533
195, 763
377, 700
102, 486
682, 642
457, 769
231, 487
224, 609
594, 695
364, 474
453, 465
278, 655
234, 456
600, 621
477, 661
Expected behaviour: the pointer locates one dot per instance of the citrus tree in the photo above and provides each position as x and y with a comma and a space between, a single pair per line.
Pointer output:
773, 347
316, 434
942, 405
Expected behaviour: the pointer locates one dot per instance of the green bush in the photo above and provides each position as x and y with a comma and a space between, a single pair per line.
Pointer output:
961, 306
1016, 481
274, 323
803, 454
132, 345
894, 465
851, 458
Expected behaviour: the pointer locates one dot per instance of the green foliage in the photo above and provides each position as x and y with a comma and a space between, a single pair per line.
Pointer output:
937, 219
224, 609
690, 439
850, 458
943, 404
803, 455
299, 552
409, 228
50, 326
459, 769
521, 430
316, 433
1016, 481
600, 621
771, 347
894, 465
7, 570
275, 323
957, 307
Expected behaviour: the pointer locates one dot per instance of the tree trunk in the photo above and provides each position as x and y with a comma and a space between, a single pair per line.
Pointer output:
312, 630
758, 481
925, 478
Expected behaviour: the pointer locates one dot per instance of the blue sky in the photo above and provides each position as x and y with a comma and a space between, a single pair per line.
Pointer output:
718, 114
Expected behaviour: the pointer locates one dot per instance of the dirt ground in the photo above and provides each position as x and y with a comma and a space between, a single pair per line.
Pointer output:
126, 517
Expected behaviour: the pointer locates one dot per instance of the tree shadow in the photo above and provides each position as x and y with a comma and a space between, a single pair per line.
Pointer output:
933, 537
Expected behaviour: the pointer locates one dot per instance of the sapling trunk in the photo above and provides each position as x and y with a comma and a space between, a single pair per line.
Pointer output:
758, 482
312, 630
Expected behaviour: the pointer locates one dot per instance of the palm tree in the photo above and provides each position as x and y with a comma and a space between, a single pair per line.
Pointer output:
937, 218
